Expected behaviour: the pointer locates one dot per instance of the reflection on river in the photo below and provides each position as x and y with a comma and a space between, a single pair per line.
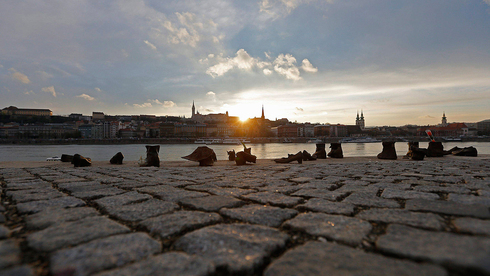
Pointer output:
132, 152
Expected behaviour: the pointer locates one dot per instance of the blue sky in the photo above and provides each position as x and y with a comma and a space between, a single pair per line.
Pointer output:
401, 62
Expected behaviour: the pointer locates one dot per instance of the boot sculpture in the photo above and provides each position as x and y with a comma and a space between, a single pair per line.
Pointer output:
204, 155
152, 159
243, 157
117, 159
67, 158
388, 152
435, 149
297, 157
468, 151
307, 156
320, 152
231, 155
410, 144
80, 161
336, 151
417, 153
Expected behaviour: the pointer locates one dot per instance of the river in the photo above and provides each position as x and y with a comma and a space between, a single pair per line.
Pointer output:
173, 152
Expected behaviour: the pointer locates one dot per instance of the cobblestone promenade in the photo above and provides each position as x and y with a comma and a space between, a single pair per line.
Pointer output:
319, 218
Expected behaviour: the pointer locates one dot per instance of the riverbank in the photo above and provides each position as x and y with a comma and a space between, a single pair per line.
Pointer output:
355, 216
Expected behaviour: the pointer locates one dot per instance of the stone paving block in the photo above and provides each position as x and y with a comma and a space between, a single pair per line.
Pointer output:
339, 228
318, 258
167, 226
320, 193
2, 218
422, 220
55, 215
131, 184
447, 249
68, 179
23, 270
73, 233
215, 190
103, 254
238, 248
38, 184
82, 186
326, 206
169, 193
368, 199
34, 194
318, 184
143, 210
9, 253
167, 264
38, 206
485, 193
211, 203
274, 199
469, 199
122, 199
260, 214
350, 188
473, 226
447, 208
401, 194
4, 232
98, 193
442, 189
301, 179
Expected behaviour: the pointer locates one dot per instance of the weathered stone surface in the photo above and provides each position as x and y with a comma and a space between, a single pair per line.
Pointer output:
37, 184
215, 190
402, 194
83, 186
73, 233
169, 225
211, 203
443, 189
443, 248
9, 253
469, 199
51, 216
320, 193
98, 193
423, 220
122, 199
34, 194
473, 226
326, 206
169, 193
4, 232
2, 218
339, 228
38, 206
238, 248
317, 258
142, 210
448, 208
273, 199
103, 254
260, 214
23, 270
368, 199
171, 263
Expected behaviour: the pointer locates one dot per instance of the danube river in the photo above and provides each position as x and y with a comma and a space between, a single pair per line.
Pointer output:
173, 152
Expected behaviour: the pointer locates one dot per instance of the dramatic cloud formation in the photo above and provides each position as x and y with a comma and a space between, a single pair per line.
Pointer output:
86, 97
19, 76
50, 90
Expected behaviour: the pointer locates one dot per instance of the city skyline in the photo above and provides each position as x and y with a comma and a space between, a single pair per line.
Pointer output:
309, 61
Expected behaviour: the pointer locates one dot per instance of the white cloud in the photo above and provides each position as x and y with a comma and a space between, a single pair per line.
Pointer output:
211, 93
44, 75
168, 104
242, 60
186, 31
142, 105
308, 67
97, 89
86, 97
285, 65
150, 45
267, 72
49, 89
30, 92
19, 76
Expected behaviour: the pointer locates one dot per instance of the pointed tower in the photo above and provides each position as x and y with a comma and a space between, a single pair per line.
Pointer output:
263, 116
362, 123
193, 110
444, 119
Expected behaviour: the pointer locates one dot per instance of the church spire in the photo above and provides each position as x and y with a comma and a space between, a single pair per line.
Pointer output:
193, 110
263, 116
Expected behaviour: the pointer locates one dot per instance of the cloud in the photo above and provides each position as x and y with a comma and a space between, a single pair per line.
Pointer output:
285, 65
487, 1
211, 93
97, 89
150, 44
142, 105
299, 109
44, 75
30, 92
308, 67
86, 97
19, 76
186, 31
267, 71
169, 104
242, 60
49, 89
166, 104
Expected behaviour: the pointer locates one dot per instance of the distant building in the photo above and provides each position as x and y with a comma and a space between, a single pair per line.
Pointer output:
450, 130
98, 116
360, 120
483, 127
14, 111
444, 120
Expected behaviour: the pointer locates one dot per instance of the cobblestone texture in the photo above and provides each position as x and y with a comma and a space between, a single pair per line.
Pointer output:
320, 217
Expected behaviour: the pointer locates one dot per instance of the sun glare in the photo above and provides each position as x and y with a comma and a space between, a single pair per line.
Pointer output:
242, 119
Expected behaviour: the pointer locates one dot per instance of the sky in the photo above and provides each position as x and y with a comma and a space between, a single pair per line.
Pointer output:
318, 61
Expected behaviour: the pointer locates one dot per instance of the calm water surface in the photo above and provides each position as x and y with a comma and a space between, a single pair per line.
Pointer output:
133, 152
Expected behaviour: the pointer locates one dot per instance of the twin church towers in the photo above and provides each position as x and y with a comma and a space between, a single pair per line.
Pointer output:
360, 120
